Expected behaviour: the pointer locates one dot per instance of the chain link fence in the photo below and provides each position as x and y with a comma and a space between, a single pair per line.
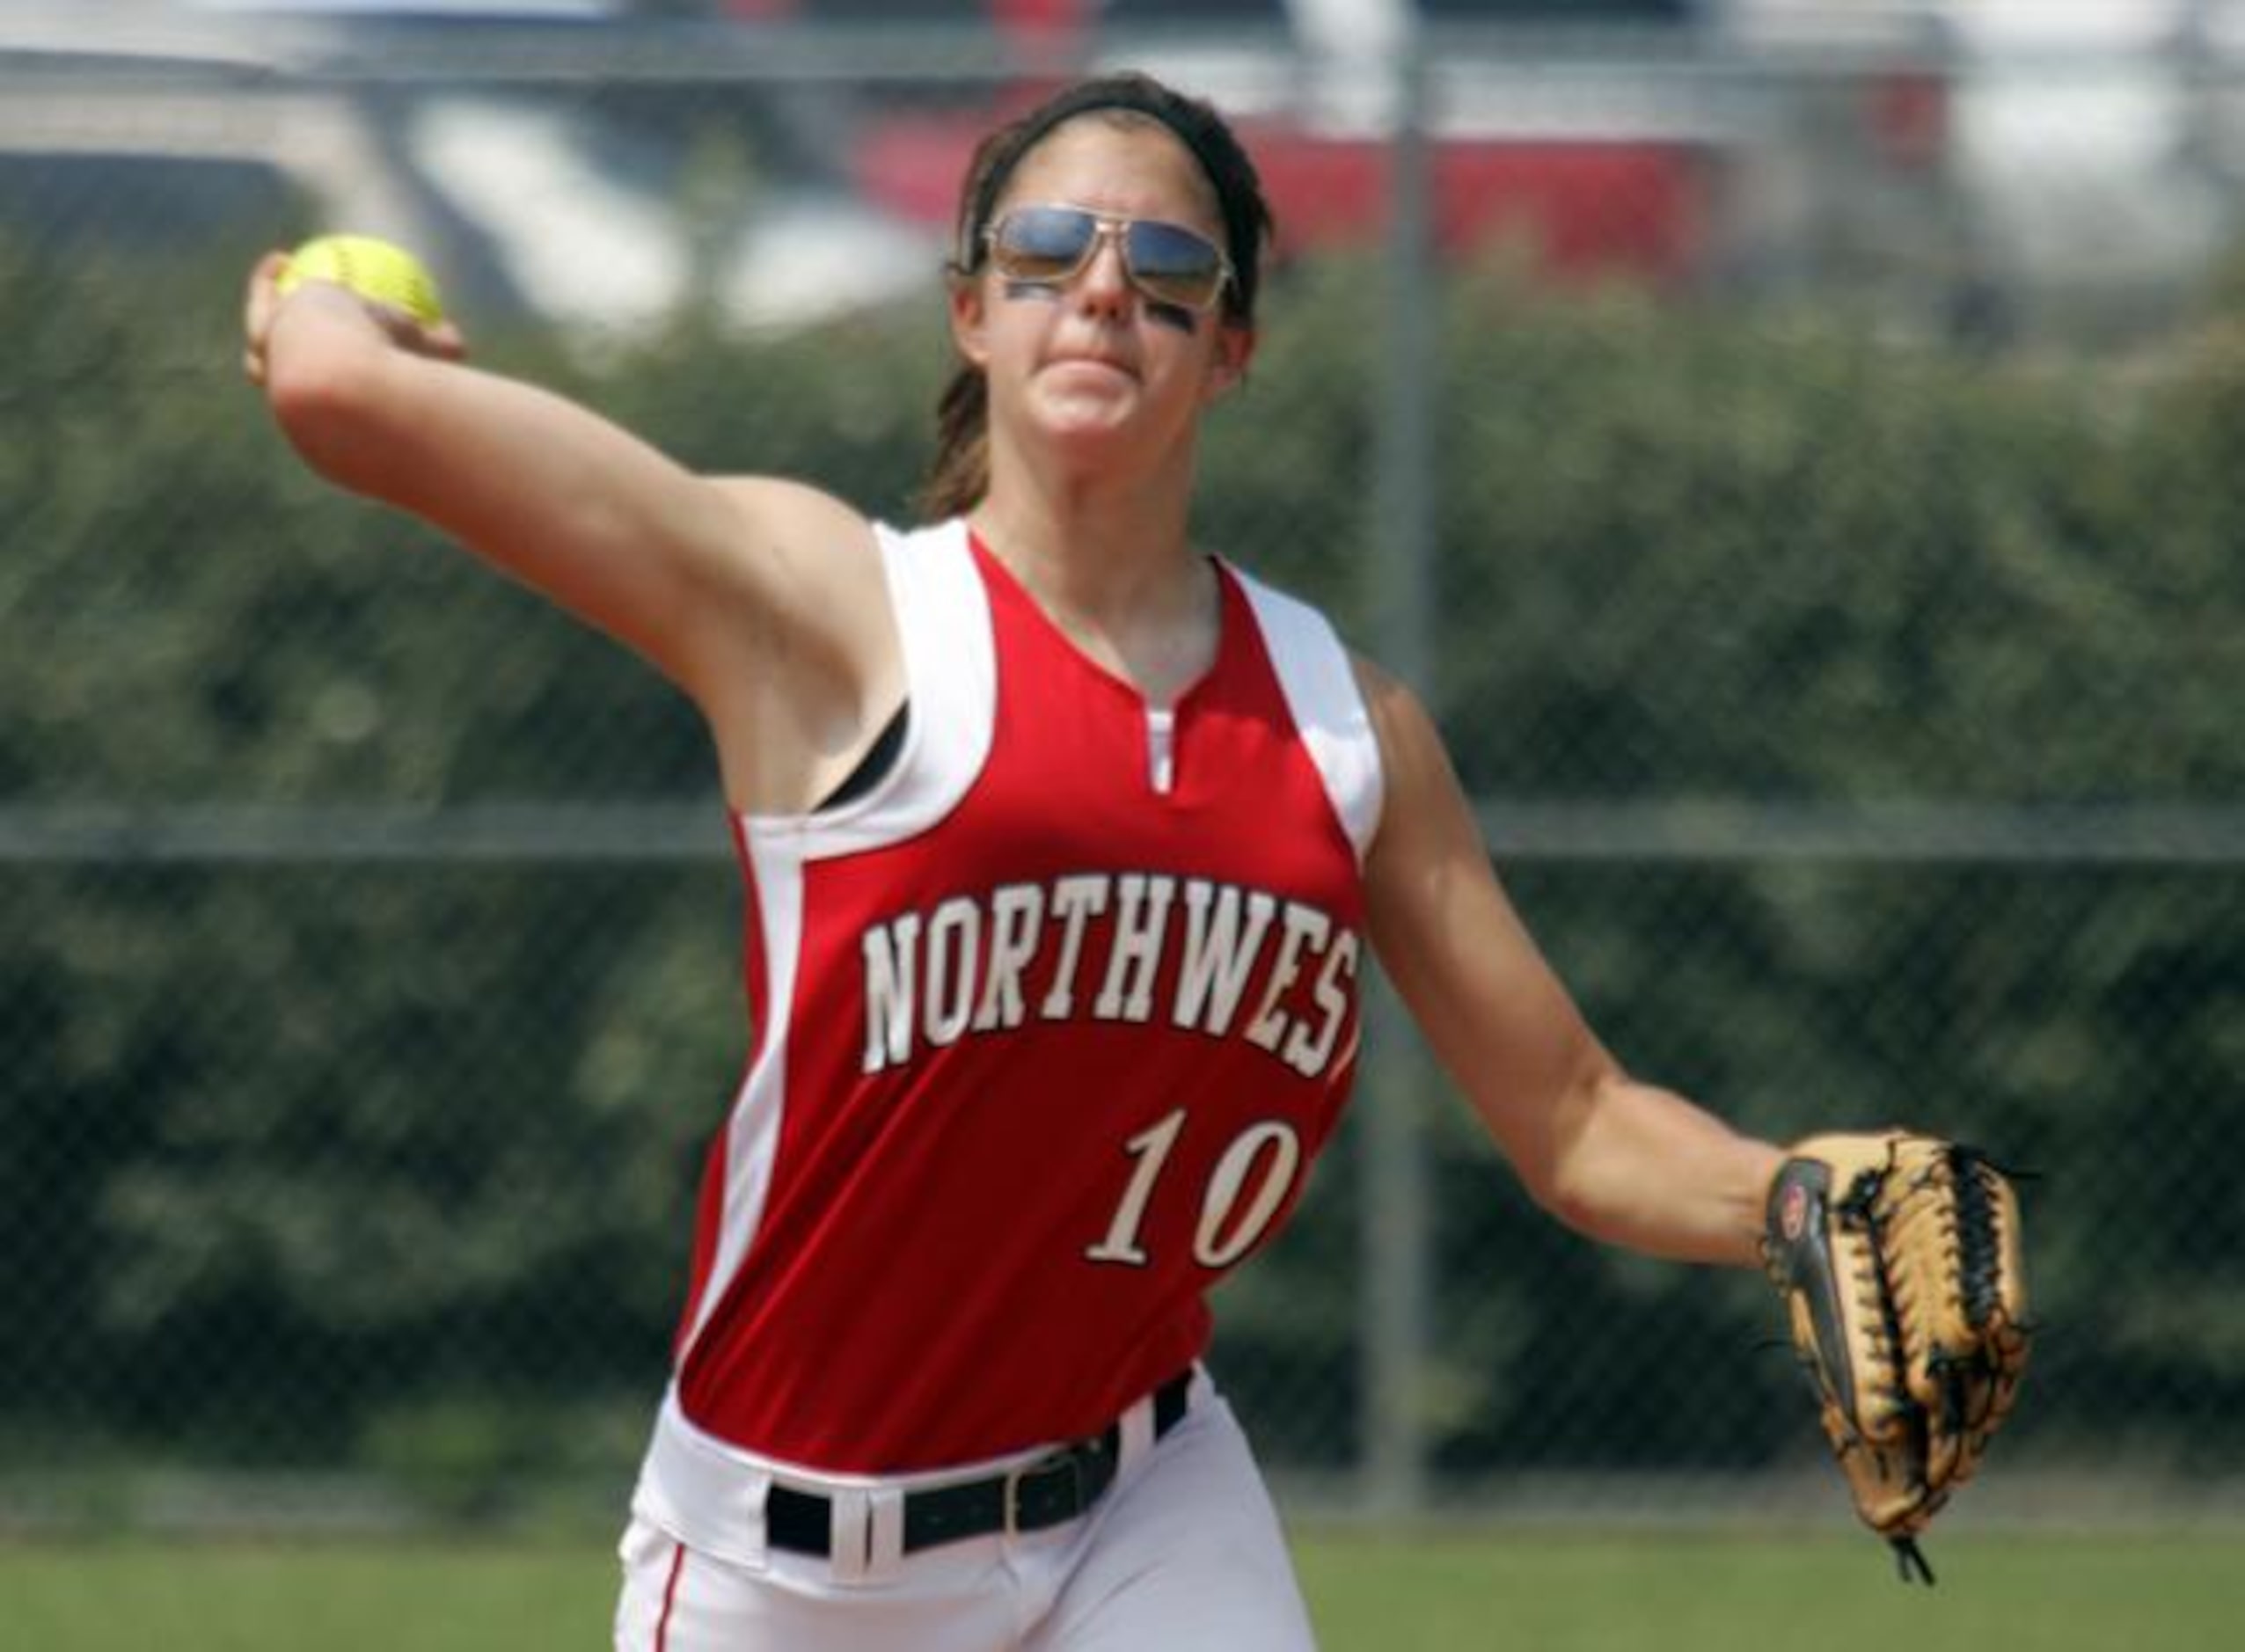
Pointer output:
1828, 587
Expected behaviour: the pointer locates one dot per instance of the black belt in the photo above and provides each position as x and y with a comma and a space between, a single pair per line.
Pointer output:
1048, 1492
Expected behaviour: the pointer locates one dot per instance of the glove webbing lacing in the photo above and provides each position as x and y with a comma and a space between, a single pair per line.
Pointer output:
1979, 1255
1859, 1205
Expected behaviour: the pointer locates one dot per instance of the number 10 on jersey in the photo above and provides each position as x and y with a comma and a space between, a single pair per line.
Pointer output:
1246, 1191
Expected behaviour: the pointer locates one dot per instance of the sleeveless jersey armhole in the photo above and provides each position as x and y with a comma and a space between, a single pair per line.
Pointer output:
929, 752
874, 767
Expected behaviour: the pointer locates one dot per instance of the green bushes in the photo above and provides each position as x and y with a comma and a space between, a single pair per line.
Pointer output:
303, 1155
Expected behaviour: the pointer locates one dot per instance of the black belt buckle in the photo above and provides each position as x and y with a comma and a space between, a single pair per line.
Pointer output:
1043, 1480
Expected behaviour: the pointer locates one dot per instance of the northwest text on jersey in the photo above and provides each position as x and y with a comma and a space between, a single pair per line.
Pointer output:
1133, 947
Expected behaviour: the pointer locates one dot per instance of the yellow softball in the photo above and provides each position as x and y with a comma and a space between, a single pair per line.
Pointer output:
371, 268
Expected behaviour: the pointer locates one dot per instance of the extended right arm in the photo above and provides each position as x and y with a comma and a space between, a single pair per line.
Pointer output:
761, 598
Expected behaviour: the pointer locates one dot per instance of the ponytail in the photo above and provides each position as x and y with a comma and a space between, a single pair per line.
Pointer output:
959, 475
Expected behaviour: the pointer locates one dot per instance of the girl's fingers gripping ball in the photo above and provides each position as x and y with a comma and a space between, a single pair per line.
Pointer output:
375, 269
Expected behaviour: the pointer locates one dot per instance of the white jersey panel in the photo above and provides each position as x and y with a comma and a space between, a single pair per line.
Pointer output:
942, 618
752, 1129
1322, 691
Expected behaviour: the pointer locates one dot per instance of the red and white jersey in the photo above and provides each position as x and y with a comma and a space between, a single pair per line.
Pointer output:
1049, 1025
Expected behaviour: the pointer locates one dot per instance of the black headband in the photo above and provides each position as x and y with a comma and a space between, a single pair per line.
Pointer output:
1239, 224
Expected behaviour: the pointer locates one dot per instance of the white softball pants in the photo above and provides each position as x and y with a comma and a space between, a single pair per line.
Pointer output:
1184, 1553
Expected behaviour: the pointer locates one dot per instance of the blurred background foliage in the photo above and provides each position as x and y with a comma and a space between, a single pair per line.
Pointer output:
383, 1163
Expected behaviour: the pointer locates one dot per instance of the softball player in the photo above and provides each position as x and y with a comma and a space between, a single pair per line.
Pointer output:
1063, 844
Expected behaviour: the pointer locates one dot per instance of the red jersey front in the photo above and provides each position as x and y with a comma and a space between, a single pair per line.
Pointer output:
1049, 1025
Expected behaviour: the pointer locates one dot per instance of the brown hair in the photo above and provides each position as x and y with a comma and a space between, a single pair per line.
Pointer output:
960, 473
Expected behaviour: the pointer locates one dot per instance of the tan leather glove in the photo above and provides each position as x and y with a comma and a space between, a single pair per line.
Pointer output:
1897, 1258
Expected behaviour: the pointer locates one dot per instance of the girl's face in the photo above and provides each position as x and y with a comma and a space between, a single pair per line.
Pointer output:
1090, 363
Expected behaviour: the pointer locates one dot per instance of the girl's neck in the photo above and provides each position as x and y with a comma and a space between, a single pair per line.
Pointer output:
1118, 576
1098, 552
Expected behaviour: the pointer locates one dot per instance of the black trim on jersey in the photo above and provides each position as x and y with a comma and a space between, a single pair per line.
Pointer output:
874, 767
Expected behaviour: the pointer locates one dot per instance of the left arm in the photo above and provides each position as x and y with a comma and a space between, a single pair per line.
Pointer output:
1621, 1160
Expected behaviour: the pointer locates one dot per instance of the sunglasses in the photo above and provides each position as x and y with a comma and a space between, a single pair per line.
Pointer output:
1049, 246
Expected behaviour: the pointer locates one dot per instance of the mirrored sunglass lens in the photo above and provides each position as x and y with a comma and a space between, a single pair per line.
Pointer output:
1175, 263
1043, 242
